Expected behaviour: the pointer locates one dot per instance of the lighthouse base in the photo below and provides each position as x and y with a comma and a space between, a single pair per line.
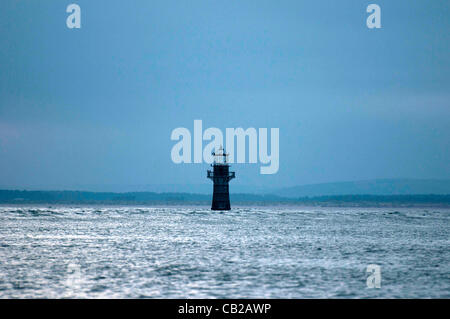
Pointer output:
220, 206
221, 197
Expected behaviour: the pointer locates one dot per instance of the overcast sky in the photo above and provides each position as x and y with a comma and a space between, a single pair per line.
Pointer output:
96, 106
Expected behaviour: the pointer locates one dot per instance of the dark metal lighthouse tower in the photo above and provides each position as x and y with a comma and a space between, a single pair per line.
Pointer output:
220, 176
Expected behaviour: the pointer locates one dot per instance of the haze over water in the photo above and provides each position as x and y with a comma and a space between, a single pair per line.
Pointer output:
142, 252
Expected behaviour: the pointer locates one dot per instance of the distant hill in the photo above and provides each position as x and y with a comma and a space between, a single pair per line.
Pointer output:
205, 188
146, 198
369, 187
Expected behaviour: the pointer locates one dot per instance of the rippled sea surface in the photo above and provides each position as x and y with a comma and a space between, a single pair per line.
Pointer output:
140, 252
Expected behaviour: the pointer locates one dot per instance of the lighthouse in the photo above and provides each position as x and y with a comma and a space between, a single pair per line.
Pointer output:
221, 176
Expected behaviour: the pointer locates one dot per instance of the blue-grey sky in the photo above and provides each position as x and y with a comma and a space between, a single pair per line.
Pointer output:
96, 106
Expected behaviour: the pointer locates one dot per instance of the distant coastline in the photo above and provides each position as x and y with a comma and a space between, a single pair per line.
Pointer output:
18, 197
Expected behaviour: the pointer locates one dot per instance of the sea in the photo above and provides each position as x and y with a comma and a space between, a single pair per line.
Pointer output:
192, 252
